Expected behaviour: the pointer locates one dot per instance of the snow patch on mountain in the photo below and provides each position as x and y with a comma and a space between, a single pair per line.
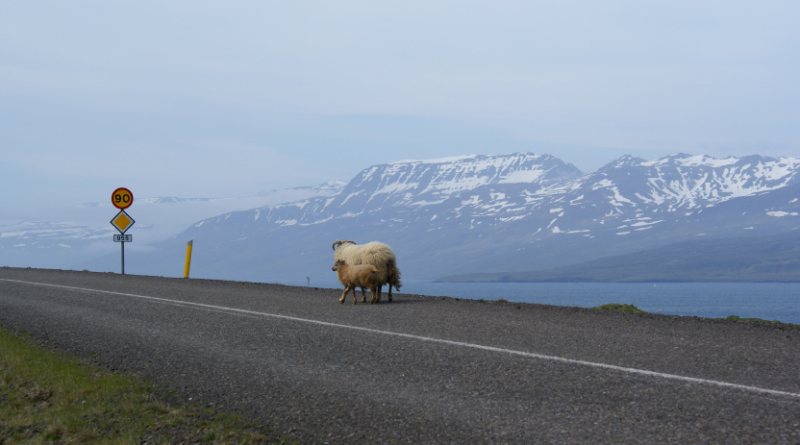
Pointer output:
706, 161
435, 161
780, 213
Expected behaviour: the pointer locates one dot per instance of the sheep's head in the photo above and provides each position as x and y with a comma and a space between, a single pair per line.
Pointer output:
337, 264
339, 243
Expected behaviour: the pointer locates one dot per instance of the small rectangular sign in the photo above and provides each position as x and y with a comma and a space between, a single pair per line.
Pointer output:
123, 238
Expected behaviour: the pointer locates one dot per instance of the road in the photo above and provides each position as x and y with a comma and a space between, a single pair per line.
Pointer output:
422, 369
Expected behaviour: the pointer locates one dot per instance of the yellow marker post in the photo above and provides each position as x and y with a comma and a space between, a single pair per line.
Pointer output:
188, 259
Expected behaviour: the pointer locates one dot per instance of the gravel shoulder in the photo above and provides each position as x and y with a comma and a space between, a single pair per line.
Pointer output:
335, 384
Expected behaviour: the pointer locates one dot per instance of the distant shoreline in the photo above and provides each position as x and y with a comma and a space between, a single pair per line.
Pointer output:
762, 259
457, 279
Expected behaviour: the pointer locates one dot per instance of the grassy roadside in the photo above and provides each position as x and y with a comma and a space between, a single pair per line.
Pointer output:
47, 398
633, 309
619, 308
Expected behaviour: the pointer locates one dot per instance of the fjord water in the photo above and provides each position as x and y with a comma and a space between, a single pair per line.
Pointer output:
769, 301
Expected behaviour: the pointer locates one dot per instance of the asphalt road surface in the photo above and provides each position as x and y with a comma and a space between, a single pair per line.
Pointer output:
422, 369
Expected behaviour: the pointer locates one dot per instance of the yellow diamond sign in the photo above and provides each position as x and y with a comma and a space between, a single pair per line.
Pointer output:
122, 221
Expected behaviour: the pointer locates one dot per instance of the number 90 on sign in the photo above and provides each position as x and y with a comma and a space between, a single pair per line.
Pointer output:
122, 198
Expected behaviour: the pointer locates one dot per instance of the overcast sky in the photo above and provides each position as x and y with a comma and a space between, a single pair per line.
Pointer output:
202, 99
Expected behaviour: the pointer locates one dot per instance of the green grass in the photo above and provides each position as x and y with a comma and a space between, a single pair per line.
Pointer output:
776, 323
619, 307
46, 397
738, 318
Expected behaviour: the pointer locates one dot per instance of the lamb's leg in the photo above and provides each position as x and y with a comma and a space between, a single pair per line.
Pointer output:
344, 294
355, 298
363, 295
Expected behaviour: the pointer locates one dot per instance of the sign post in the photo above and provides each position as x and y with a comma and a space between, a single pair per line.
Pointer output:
122, 198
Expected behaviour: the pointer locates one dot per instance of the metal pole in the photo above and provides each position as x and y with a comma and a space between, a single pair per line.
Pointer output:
122, 244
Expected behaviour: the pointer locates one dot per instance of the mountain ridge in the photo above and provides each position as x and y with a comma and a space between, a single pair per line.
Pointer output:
466, 214
497, 213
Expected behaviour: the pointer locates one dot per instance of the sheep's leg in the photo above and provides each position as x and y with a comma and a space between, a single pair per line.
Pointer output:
355, 298
390, 292
363, 295
372, 293
378, 298
344, 294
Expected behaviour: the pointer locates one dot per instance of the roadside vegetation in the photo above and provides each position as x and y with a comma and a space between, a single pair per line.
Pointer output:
761, 320
619, 308
47, 397
738, 318
633, 309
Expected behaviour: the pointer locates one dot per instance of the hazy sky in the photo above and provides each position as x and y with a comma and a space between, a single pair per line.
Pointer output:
202, 99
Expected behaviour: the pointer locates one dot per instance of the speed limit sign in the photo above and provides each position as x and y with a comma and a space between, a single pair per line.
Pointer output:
122, 198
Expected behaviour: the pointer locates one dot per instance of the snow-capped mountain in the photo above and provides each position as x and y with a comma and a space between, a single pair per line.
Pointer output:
407, 187
498, 213
683, 182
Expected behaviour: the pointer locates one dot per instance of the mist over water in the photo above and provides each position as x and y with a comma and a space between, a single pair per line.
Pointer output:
769, 301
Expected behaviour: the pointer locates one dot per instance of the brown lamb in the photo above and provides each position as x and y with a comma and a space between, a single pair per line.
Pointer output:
362, 275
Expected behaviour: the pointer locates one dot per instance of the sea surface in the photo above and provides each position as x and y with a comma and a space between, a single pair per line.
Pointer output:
769, 301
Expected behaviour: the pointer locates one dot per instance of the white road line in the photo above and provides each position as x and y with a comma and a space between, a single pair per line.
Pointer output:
432, 340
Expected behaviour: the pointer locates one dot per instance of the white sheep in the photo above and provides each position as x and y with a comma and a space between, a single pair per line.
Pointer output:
377, 254
362, 275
